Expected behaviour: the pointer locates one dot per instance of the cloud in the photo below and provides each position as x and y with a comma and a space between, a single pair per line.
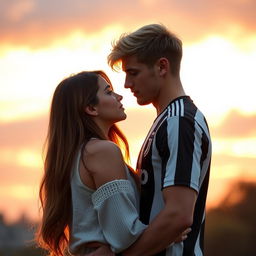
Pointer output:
236, 125
23, 133
21, 150
241, 162
13, 174
37, 23
16, 10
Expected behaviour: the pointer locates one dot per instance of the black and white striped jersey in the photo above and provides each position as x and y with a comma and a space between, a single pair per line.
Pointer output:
176, 152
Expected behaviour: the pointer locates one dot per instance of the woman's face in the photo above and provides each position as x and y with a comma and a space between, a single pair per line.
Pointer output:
109, 107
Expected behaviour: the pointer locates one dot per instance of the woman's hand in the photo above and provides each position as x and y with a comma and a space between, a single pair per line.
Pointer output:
183, 236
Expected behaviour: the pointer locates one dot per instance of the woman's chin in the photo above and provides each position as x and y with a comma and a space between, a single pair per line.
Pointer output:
124, 116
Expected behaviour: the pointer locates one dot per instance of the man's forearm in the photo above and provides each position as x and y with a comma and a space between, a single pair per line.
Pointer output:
175, 217
161, 232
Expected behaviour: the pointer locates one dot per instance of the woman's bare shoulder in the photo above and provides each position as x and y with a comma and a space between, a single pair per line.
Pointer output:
104, 161
102, 153
98, 147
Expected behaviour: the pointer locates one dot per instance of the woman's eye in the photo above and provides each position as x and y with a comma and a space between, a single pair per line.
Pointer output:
109, 92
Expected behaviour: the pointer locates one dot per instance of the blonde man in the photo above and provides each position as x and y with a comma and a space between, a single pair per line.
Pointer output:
175, 158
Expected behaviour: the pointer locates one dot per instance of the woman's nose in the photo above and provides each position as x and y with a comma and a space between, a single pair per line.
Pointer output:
119, 97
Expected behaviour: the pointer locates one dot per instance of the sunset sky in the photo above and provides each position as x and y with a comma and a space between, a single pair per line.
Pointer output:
43, 41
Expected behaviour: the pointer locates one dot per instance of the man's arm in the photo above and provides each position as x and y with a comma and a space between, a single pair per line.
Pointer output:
176, 216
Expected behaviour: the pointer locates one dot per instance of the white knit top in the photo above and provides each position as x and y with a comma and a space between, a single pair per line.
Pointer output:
108, 215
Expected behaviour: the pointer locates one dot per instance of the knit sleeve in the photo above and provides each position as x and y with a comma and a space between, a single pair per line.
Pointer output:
118, 217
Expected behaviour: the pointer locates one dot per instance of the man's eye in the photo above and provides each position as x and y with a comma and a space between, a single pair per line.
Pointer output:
109, 92
133, 73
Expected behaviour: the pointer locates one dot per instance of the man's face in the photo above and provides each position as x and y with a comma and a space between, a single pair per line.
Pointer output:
141, 80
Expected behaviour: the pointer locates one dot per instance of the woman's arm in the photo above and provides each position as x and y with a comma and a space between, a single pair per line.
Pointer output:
114, 198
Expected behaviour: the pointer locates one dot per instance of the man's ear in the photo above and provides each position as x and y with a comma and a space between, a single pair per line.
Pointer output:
163, 66
91, 110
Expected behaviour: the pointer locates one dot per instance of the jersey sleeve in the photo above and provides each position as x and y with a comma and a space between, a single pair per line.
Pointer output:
179, 145
118, 217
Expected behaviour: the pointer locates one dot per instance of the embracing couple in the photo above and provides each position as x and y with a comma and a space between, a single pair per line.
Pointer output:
93, 202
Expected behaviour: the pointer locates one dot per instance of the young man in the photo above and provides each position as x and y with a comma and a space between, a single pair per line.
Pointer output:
175, 158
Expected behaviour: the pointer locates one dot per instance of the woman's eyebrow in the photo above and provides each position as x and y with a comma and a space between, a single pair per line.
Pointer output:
107, 87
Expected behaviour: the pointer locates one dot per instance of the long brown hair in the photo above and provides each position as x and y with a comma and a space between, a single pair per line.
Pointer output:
69, 128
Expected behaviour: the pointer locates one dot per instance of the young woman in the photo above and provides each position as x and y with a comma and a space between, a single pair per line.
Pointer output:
87, 192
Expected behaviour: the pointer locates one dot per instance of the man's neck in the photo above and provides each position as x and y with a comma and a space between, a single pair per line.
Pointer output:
168, 93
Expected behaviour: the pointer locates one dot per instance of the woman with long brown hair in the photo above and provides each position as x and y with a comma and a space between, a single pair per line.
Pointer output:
87, 192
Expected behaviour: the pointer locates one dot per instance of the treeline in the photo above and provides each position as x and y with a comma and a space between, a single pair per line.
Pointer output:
230, 228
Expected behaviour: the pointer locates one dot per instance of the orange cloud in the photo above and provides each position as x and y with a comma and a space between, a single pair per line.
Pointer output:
16, 10
13, 174
37, 23
236, 125
242, 163
23, 133
21, 150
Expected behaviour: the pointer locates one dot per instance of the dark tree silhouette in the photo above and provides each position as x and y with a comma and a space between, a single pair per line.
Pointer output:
230, 228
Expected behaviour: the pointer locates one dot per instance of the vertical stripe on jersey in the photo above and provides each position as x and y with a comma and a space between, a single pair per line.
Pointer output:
172, 140
205, 158
185, 152
158, 202
206, 149
198, 221
186, 148
197, 250
147, 192
196, 162
181, 107
163, 149
177, 106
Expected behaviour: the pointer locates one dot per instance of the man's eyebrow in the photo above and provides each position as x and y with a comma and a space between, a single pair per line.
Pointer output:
130, 69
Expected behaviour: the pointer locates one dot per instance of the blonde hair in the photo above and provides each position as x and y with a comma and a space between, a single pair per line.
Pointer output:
148, 44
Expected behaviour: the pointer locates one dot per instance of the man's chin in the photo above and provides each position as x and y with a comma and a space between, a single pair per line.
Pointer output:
142, 103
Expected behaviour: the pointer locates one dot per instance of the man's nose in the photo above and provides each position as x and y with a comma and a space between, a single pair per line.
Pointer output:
127, 83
